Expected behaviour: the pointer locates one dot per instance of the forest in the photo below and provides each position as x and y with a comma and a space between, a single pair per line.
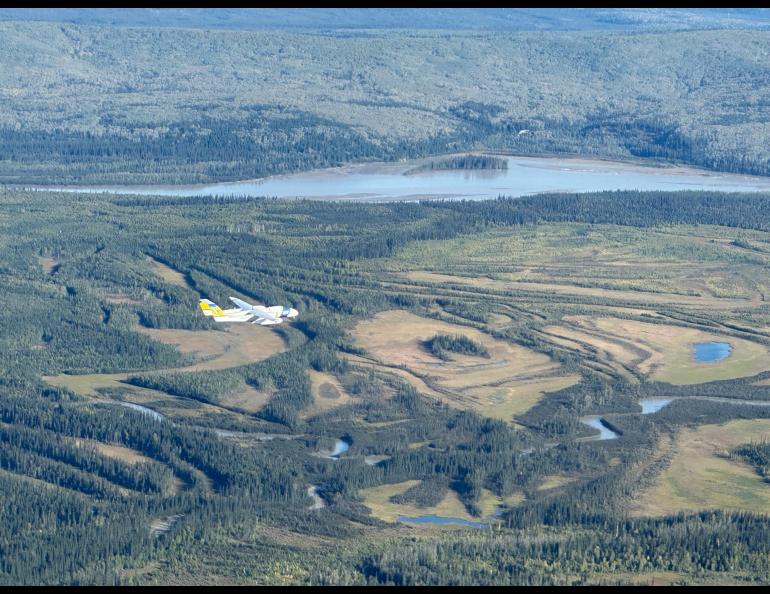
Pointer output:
143, 105
455, 347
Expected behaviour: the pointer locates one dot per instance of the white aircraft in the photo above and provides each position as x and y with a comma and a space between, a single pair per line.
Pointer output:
264, 316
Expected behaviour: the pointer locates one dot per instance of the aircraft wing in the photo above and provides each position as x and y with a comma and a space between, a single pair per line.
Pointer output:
263, 318
236, 314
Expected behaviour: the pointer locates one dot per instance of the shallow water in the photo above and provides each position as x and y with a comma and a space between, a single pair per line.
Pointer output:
653, 405
604, 431
707, 352
142, 409
525, 175
340, 448
431, 519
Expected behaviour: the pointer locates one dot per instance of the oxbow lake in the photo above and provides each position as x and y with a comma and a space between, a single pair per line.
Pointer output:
524, 176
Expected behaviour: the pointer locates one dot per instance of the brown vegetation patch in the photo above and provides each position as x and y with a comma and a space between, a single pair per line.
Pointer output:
248, 399
167, 273
509, 382
550, 288
554, 481
327, 392
701, 476
118, 452
378, 500
238, 344
662, 352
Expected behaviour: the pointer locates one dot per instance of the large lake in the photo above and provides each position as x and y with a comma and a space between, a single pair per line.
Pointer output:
525, 175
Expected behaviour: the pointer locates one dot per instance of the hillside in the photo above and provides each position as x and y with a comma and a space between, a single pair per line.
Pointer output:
170, 104
478, 19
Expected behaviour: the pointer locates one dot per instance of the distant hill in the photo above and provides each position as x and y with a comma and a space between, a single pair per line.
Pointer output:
161, 104
479, 19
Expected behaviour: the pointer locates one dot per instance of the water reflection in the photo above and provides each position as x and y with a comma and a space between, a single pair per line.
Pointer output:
525, 175
597, 422
706, 352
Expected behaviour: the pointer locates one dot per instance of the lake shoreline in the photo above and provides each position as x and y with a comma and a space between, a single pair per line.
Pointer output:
383, 181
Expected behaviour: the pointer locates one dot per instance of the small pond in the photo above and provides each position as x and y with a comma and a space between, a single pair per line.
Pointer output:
707, 352
598, 423
340, 448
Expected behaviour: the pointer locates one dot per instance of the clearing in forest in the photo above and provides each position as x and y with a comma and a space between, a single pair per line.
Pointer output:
327, 392
510, 381
377, 499
118, 452
554, 481
50, 265
701, 476
247, 399
239, 344
662, 352
167, 273
690, 266
130, 456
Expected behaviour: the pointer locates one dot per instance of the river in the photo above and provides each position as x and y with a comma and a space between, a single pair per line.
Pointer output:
137, 407
524, 176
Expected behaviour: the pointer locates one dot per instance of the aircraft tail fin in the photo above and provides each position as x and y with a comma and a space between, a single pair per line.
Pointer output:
209, 308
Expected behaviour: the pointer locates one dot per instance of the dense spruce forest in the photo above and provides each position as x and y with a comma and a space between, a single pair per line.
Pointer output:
442, 344
463, 162
135, 452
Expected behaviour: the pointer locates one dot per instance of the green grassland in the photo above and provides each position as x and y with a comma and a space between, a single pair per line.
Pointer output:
701, 476
579, 315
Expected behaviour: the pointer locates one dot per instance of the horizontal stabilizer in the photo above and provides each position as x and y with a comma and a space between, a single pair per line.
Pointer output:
266, 322
209, 308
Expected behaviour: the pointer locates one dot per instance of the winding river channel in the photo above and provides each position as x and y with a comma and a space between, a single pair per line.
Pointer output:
342, 445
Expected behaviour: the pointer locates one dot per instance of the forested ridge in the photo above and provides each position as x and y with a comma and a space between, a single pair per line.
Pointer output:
127, 105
